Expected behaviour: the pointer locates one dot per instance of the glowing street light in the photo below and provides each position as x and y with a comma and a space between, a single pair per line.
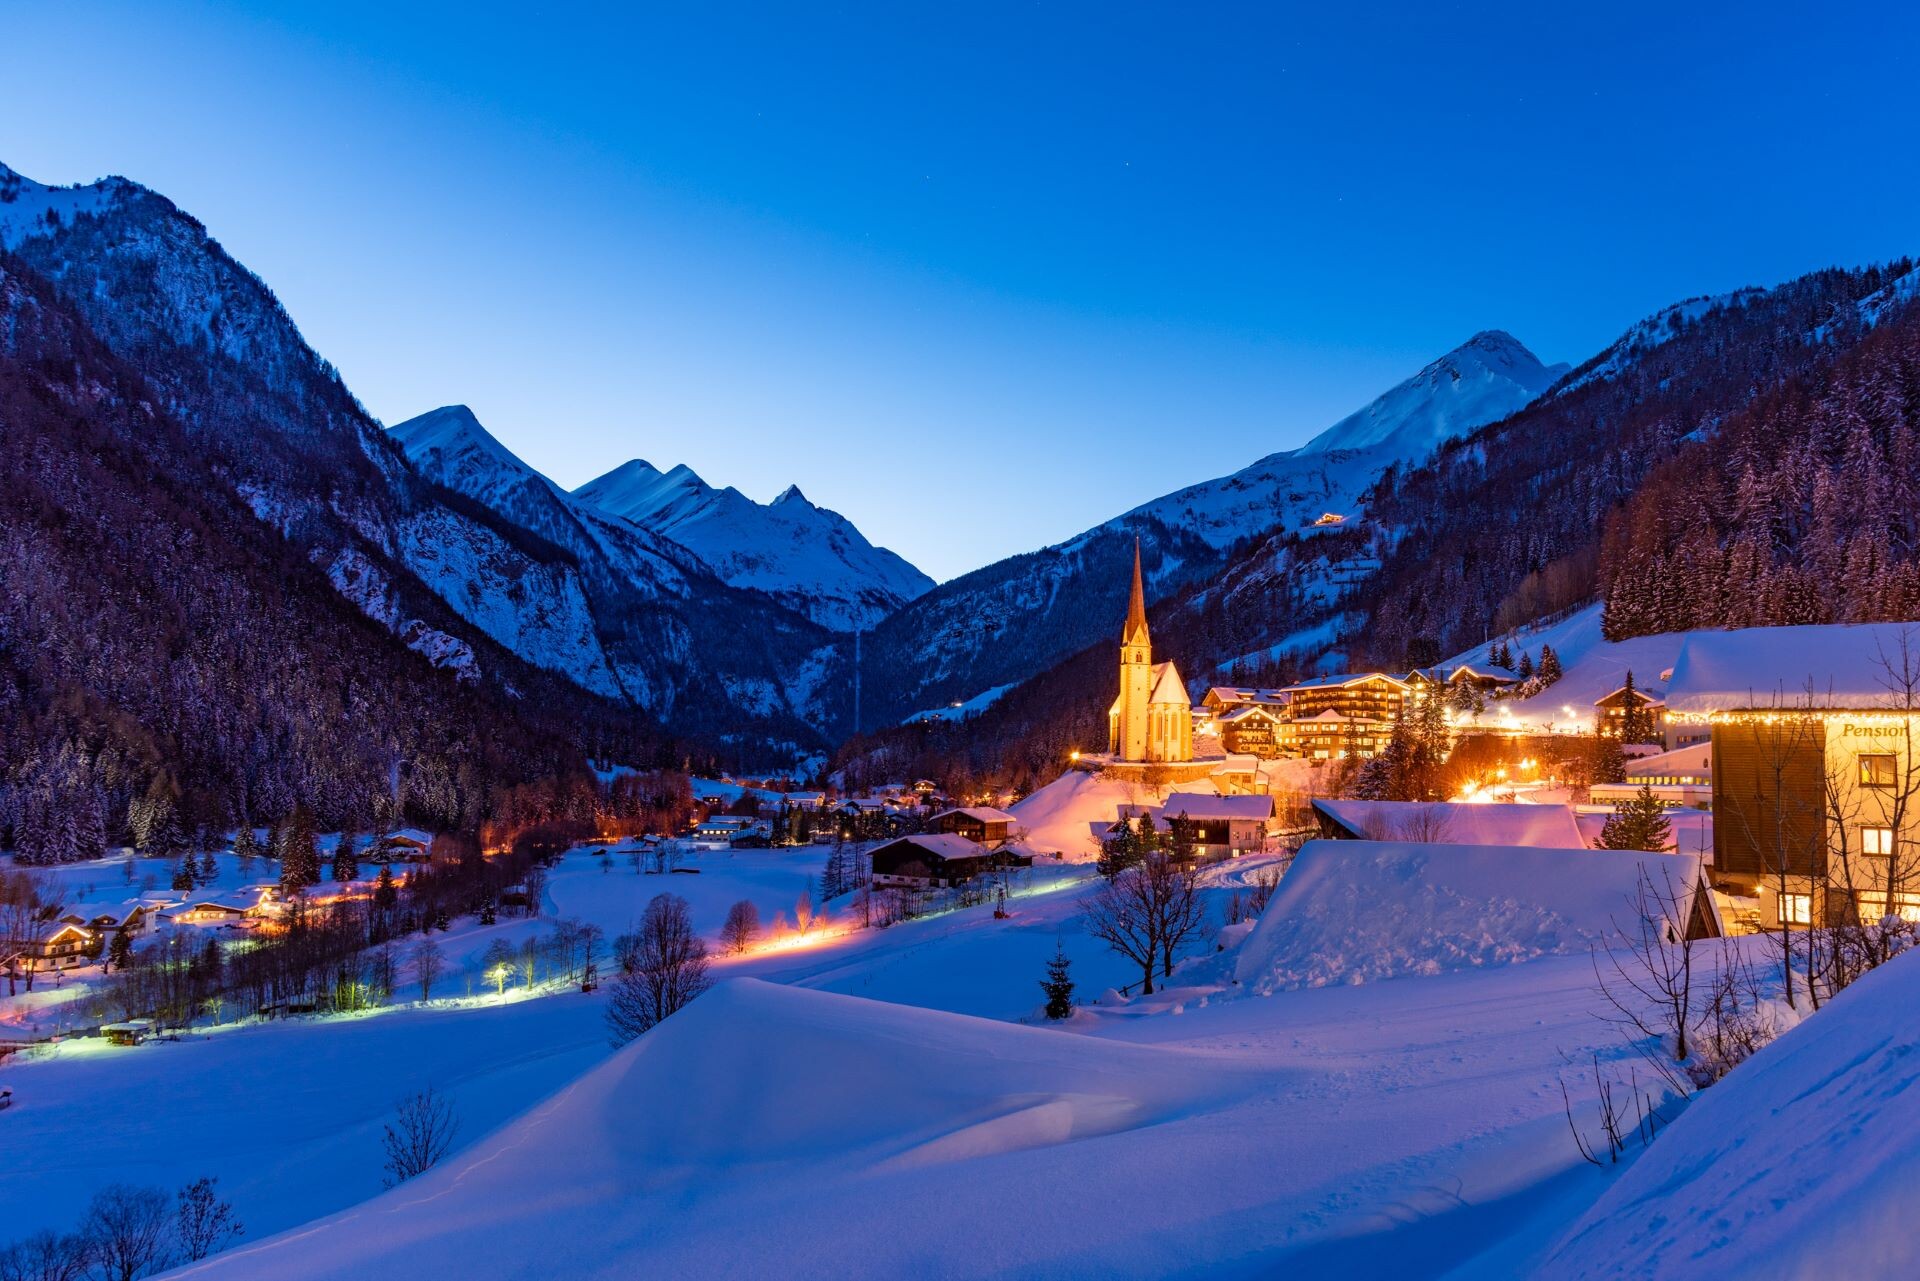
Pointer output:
499, 976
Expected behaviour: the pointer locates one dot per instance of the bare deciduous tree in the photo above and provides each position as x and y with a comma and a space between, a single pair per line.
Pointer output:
670, 969
46, 1256
426, 963
128, 1231
1147, 912
742, 927
203, 1223
419, 1135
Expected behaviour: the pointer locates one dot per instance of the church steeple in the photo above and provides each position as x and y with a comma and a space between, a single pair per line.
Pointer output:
1135, 632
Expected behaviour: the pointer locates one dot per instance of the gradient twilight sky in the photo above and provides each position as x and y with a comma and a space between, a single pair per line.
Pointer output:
980, 278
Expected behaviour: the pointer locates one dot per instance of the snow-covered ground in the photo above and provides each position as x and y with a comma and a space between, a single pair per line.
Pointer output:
869, 1103
1591, 669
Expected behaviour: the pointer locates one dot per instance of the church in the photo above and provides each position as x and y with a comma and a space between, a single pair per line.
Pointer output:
1152, 719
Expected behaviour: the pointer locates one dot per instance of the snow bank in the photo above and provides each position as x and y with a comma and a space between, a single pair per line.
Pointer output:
1454, 823
751, 1088
1357, 911
1060, 816
1805, 1161
1841, 665
1591, 668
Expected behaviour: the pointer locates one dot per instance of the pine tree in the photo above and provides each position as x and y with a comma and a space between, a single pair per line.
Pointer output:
1525, 670
299, 859
183, 880
1058, 985
120, 951
1638, 824
385, 892
1549, 669
209, 870
245, 848
346, 859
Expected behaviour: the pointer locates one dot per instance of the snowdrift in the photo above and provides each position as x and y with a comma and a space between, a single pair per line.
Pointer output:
755, 1095
1357, 911
1060, 816
1802, 1163
1456, 823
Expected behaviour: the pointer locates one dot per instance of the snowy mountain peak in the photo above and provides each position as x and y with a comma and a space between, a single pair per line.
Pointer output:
1489, 376
806, 556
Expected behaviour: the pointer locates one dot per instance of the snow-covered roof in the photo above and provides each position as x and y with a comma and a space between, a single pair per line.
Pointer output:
409, 834
1250, 709
979, 813
1167, 685
1341, 679
1842, 666
1246, 694
1199, 805
96, 910
1358, 911
1487, 671
1693, 758
1457, 823
942, 845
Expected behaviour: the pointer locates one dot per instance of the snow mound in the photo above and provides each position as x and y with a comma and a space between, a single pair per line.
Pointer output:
1804, 1161
1592, 667
1060, 817
753, 1088
1359, 911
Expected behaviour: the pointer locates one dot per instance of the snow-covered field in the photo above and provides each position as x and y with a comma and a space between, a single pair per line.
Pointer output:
888, 1103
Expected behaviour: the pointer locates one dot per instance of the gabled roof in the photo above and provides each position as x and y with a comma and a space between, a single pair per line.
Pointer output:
1167, 686
1342, 679
1486, 671
1248, 710
979, 813
1201, 805
940, 846
1646, 699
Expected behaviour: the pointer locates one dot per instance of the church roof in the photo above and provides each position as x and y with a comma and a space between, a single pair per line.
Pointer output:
1135, 632
1167, 686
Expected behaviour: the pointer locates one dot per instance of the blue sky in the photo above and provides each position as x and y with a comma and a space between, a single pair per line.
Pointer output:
977, 278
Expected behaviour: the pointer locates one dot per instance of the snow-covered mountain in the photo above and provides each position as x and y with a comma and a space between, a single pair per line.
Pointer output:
618, 610
1483, 380
1011, 620
809, 558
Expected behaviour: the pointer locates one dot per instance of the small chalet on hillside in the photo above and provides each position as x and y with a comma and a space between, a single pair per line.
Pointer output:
980, 824
1612, 711
47, 946
403, 845
936, 860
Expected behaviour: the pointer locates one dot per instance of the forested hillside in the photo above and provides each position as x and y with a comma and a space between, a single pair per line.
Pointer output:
168, 660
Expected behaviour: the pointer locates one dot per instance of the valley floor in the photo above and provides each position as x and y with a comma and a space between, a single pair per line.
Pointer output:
1399, 1128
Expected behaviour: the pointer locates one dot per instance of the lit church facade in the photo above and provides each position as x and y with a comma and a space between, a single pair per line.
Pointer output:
1152, 719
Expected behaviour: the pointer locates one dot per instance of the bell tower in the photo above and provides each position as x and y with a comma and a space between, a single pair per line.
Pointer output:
1129, 729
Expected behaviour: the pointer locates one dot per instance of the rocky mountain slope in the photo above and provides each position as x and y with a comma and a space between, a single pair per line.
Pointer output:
809, 558
620, 614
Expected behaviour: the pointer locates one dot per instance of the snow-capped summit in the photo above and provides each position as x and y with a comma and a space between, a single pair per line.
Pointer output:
808, 557
1482, 380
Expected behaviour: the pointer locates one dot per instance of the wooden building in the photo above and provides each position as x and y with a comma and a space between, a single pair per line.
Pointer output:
54, 945
1611, 712
980, 824
938, 859
1223, 826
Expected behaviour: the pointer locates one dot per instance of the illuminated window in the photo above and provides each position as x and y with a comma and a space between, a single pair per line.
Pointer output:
1907, 906
1877, 840
1876, 770
1796, 909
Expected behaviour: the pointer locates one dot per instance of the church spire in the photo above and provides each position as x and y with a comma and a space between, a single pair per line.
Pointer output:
1135, 632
